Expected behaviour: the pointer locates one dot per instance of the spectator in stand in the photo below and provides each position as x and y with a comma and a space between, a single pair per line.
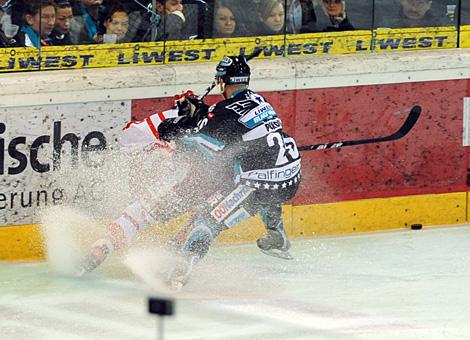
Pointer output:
225, 24
63, 21
170, 20
5, 41
86, 24
5, 10
8, 29
116, 22
172, 24
39, 18
271, 16
334, 18
15, 9
140, 19
410, 13
301, 17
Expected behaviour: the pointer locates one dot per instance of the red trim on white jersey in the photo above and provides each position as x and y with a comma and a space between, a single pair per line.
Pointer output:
152, 127
143, 132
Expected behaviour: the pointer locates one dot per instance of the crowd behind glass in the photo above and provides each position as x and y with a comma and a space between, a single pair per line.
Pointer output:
38, 23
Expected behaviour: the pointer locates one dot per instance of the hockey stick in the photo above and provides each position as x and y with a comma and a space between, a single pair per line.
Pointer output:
208, 90
404, 129
255, 53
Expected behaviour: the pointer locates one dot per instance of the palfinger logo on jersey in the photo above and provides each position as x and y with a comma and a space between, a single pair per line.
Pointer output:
233, 200
274, 175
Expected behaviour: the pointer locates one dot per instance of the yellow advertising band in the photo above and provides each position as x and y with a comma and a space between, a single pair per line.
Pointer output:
175, 52
26, 242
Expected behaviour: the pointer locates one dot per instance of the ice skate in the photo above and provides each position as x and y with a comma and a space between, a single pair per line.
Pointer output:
98, 253
179, 275
276, 244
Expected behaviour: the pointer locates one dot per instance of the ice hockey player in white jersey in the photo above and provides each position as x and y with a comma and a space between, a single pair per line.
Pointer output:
242, 164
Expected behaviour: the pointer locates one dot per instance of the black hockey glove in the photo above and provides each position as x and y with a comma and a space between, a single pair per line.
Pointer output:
190, 111
200, 108
192, 107
185, 109
188, 117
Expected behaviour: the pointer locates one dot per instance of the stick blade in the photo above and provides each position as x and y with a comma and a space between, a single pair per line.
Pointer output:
410, 121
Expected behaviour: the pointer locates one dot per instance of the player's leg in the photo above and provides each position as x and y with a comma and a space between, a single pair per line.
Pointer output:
139, 215
196, 245
117, 235
275, 242
225, 209
269, 206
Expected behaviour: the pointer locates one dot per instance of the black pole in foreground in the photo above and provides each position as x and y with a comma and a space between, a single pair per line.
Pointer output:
162, 308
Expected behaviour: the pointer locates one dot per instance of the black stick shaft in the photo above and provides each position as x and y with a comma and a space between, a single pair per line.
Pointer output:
208, 90
404, 129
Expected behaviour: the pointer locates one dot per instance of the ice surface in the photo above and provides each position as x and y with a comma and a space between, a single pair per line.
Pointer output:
391, 285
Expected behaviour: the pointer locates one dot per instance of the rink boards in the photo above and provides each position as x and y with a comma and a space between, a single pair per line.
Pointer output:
420, 178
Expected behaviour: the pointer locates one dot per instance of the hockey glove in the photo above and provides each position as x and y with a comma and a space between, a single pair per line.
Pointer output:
185, 108
190, 105
180, 103
190, 111
200, 108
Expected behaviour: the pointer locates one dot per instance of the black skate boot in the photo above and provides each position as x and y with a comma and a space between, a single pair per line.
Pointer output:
275, 243
98, 253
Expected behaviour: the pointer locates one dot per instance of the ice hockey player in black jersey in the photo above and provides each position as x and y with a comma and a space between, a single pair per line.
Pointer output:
243, 164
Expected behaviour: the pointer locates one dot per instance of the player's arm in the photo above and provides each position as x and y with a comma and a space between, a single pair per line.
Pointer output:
191, 113
154, 129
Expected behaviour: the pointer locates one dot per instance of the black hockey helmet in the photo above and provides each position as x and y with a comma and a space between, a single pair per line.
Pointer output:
233, 70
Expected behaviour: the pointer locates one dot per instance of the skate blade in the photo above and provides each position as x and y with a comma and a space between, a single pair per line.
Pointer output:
285, 255
175, 286
79, 272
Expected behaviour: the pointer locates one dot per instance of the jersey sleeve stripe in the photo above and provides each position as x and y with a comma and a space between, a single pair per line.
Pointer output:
152, 128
